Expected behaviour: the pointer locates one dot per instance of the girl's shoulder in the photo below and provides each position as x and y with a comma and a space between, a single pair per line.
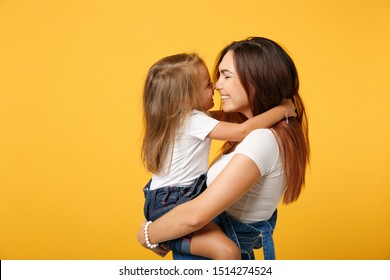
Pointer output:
200, 116
197, 112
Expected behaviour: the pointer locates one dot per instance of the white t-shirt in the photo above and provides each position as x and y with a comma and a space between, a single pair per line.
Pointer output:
190, 152
261, 200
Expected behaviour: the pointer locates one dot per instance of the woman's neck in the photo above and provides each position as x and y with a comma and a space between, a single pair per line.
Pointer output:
248, 113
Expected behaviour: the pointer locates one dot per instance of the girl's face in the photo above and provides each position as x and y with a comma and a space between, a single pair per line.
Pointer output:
205, 88
233, 94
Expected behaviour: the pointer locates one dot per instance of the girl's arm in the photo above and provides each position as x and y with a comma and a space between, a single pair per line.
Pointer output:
237, 132
231, 184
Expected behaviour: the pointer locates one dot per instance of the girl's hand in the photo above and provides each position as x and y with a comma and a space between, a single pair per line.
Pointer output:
289, 107
161, 251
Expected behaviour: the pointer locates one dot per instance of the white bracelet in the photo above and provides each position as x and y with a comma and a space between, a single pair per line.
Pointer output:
286, 115
151, 246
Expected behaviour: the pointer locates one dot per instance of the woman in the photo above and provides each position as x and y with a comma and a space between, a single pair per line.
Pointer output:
250, 177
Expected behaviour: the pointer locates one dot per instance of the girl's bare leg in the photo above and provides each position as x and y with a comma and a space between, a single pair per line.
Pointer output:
211, 242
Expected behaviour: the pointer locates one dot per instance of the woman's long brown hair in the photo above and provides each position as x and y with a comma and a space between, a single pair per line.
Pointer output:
268, 74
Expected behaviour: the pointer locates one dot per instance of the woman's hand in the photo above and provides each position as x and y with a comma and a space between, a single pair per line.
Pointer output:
161, 251
289, 107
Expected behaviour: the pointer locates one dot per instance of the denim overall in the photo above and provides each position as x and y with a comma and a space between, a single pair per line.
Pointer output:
247, 236
162, 200
252, 236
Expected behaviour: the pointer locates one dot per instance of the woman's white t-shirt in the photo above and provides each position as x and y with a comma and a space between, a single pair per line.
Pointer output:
259, 203
190, 153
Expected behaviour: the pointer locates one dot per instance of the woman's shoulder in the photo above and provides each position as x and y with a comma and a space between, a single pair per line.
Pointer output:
259, 141
262, 147
259, 135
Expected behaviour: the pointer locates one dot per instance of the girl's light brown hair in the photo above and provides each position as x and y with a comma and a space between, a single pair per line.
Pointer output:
169, 96
268, 74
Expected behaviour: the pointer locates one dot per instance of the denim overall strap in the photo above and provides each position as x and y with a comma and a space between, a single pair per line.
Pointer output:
146, 190
196, 188
267, 241
267, 229
254, 236
147, 186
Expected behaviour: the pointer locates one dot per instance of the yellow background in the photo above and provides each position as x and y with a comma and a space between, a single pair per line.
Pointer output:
71, 75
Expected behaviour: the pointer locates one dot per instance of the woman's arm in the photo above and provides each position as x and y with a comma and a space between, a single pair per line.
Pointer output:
236, 132
230, 185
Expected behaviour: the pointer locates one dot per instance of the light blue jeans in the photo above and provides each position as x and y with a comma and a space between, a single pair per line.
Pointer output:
247, 236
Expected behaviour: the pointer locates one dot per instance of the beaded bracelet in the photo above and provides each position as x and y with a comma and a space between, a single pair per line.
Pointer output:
151, 246
286, 115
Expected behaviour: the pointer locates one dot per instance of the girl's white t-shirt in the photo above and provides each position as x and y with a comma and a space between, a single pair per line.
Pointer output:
259, 203
190, 153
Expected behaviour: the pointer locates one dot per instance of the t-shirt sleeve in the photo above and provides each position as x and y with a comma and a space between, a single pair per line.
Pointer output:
200, 124
260, 146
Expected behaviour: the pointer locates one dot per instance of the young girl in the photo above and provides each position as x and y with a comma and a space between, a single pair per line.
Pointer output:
177, 94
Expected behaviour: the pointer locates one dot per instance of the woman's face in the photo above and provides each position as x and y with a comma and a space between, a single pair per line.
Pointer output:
233, 94
205, 88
